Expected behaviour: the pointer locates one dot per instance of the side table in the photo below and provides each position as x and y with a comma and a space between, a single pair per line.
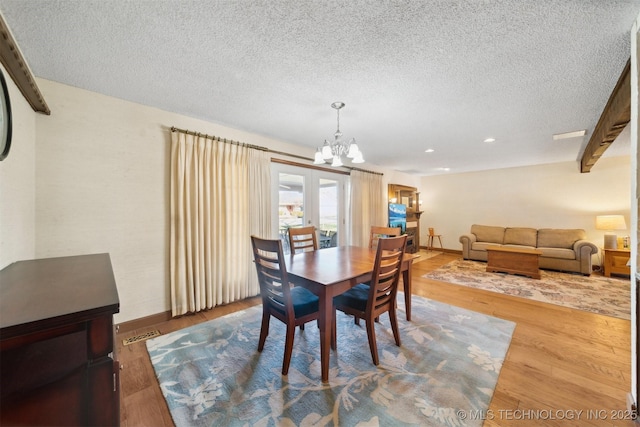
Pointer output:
615, 261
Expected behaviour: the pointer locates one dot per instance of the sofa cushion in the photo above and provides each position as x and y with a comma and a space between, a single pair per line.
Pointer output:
559, 238
527, 247
488, 233
560, 253
481, 246
520, 236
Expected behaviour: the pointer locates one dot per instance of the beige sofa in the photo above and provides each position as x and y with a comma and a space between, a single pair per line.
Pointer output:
562, 249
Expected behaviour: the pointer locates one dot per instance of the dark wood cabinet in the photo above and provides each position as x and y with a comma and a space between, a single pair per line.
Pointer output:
57, 360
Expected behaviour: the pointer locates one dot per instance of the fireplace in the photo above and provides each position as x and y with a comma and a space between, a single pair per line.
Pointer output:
412, 241
409, 197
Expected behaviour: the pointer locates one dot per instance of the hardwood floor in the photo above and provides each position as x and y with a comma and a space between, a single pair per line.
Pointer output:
561, 361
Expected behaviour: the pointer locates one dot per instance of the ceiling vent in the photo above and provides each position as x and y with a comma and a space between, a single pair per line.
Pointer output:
568, 135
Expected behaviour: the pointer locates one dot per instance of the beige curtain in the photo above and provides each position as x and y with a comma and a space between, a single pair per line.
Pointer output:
367, 202
219, 197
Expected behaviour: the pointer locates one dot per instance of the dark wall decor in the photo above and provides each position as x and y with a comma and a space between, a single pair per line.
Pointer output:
5, 119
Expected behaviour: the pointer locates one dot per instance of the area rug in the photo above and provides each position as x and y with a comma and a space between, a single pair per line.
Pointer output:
444, 374
597, 294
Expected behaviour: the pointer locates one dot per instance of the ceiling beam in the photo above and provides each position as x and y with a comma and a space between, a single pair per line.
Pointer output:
614, 118
17, 67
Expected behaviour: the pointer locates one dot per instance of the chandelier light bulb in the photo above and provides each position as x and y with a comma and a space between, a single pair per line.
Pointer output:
326, 151
318, 160
353, 149
358, 158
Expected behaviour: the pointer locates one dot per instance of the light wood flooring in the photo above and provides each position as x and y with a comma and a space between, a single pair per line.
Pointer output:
561, 361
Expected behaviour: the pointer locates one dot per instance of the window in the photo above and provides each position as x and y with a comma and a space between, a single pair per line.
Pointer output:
305, 197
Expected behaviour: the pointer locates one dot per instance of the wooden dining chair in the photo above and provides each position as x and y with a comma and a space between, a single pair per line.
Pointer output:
294, 306
431, 237
377, 232
368, 302
303, 239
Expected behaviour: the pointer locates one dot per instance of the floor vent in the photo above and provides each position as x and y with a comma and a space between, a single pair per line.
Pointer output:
141, 337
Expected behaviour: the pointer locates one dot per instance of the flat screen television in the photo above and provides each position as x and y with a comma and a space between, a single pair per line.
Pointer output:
398, 216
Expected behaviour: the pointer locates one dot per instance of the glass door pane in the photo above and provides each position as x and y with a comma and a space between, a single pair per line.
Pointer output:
328, 212
290, 205
303, 197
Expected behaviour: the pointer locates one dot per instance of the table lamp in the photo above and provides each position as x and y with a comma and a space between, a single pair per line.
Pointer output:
610, 223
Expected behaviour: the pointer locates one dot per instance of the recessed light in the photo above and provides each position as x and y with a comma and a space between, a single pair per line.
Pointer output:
490, 140
444, 169
429, 150
568, 135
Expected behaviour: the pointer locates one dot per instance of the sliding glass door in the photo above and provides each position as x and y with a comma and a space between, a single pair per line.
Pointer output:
306, 197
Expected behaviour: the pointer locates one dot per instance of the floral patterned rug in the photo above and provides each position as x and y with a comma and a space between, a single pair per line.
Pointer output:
444, 374
609, 296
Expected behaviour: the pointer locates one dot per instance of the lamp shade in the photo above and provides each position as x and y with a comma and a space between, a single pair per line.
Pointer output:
610, 222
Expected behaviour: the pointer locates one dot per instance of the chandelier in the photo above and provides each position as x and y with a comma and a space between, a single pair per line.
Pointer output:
334, 151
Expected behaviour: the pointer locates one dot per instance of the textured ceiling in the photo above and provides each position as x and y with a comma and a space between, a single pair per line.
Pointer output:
440, 74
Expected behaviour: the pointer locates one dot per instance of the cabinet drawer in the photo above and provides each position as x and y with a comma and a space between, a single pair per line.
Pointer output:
618, 261
36, 364
55, 404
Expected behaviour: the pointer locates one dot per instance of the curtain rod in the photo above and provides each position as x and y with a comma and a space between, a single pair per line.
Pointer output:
257, 147
217, 138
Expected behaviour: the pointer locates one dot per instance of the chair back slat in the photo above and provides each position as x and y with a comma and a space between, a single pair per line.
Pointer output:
272, 274
303, 239
377, 232
386, 272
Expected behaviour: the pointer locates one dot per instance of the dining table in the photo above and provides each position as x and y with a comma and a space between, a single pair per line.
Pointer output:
332, 271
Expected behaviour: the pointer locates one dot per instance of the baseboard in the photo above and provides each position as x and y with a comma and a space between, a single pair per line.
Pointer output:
143, 322
448, 251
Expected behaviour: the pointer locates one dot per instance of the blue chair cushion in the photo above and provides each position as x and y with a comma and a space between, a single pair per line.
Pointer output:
355, 297
304, 301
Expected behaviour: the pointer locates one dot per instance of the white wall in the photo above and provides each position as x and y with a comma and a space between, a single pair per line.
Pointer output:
17, 183
102, 185
544, 196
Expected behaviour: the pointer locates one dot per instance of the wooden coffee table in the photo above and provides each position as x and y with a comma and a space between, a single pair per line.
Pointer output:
506, 259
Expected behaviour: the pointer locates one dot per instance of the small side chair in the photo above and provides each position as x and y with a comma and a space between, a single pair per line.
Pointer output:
431, 237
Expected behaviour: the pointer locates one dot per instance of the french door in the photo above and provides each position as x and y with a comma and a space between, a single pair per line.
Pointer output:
305, 197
